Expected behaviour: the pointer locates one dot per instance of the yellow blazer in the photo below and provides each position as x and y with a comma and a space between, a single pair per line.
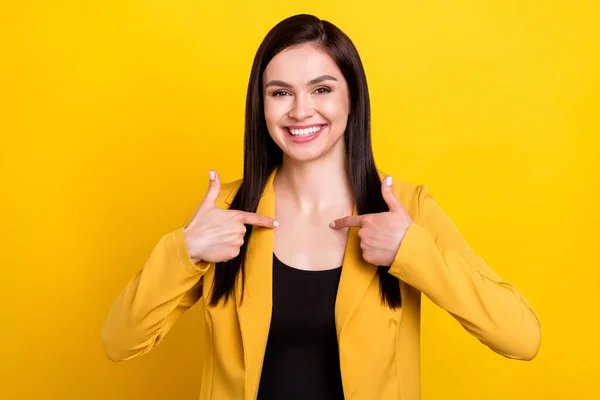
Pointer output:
378, 347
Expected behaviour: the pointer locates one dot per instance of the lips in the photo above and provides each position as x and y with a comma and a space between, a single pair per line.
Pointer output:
304, 130
303, 134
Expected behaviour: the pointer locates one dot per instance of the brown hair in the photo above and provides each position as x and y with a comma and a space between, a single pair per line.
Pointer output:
262, 155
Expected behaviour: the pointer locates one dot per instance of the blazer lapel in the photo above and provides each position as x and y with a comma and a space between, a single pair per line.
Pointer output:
254, 313
356, 276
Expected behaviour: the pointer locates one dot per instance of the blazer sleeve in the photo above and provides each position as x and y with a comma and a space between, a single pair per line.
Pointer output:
153, 300
434, 258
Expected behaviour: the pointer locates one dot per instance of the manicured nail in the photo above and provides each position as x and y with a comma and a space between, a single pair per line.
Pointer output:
388, 181
275, 223
211, 174
332, 224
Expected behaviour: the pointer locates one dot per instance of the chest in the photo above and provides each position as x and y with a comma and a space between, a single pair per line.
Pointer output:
307, 241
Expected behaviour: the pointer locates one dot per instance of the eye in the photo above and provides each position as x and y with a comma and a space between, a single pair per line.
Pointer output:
279, 93
323, 90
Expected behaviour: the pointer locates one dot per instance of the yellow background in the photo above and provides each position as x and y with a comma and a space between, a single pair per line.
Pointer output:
112, 113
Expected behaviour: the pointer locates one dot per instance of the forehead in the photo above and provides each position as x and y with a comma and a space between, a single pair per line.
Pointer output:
300, 64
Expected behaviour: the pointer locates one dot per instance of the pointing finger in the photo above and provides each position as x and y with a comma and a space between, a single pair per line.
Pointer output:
345, 222
258, 220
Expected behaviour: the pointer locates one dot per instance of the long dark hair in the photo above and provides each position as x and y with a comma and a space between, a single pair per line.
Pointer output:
262, 155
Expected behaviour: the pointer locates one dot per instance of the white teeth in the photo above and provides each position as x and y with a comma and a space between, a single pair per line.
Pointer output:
304, 132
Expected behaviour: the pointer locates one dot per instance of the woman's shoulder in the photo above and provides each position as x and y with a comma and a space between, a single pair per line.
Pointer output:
404, 189
413, 196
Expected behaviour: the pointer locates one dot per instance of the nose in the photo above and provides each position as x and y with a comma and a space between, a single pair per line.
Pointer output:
302, 107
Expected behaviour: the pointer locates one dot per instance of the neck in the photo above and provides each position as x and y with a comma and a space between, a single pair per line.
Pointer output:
315, 185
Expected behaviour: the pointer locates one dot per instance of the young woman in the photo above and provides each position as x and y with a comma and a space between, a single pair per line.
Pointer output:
310, 269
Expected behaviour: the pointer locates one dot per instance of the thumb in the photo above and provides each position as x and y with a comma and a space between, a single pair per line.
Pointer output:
389, 196
214, 187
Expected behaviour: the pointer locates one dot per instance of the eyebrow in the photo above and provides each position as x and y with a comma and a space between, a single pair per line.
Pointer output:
320, 79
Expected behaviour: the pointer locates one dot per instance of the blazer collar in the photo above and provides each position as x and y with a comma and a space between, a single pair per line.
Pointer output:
254, 312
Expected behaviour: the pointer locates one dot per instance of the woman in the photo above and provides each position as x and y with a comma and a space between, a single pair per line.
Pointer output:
311, 268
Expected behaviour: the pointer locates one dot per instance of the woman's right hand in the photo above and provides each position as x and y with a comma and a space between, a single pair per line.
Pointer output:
216, 235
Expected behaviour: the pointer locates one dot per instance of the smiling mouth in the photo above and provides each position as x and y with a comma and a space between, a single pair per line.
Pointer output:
305, 131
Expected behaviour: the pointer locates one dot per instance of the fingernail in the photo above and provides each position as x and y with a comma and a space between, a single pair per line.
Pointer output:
388, 181
275, 223
211, 175
332, 224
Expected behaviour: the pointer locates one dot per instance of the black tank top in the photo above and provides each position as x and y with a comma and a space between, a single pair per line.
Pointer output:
301, 358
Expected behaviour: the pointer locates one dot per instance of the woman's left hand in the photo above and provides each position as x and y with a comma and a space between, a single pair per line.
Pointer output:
380, 234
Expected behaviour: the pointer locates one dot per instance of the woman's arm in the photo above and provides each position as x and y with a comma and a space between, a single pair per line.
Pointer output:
435, 259
153, 300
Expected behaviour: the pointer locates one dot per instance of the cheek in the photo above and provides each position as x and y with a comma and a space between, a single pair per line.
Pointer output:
335, 104
335, 109
274, 111
268, 109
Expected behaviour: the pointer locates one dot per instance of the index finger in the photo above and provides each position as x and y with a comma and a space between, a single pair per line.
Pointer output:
351, 220
258, 220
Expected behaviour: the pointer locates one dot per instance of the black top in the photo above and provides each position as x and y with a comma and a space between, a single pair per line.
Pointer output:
301, 358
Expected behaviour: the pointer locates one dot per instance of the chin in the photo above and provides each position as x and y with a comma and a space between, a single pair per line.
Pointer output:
305, 155
314, 153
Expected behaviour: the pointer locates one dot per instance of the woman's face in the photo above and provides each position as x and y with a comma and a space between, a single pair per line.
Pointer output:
306, 102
